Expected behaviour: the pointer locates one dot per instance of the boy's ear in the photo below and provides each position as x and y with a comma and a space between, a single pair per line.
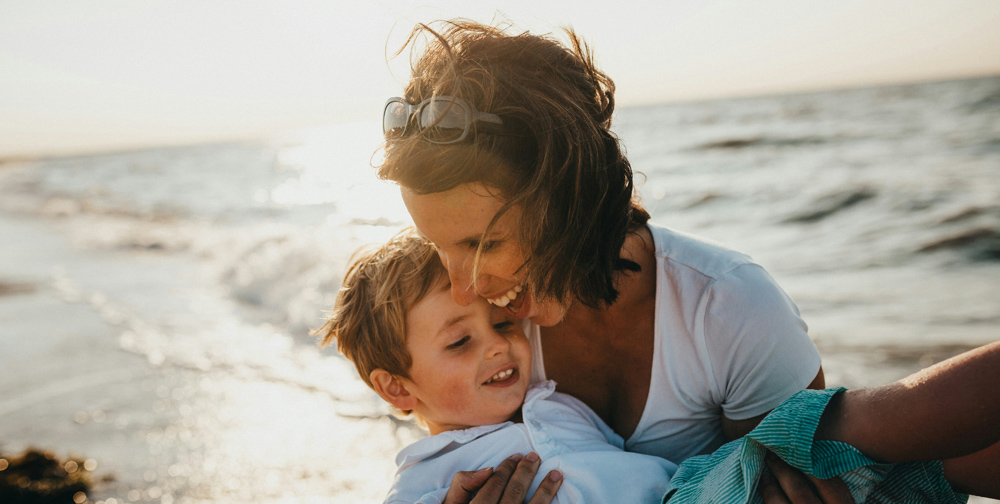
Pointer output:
392, 389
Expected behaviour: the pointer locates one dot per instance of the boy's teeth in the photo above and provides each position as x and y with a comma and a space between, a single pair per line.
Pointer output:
501, 375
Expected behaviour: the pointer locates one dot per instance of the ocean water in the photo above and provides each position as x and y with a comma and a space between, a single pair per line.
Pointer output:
155, 305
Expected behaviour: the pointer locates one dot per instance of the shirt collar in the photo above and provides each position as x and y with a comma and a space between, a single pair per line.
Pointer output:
432, 445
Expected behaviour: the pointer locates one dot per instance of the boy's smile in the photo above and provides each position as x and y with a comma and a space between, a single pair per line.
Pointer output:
470, 364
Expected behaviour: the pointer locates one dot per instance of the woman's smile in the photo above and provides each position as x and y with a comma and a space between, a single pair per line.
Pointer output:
505, 299
455, 221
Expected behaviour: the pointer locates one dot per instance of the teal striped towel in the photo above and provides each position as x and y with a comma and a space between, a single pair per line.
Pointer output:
730, 474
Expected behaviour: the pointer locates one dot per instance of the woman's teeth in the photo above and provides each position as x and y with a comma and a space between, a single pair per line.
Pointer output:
502, 375
504, 300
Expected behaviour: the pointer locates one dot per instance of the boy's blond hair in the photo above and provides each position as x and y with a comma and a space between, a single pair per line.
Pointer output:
368, 319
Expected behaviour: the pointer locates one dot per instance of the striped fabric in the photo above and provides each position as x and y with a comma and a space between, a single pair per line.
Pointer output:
730, 474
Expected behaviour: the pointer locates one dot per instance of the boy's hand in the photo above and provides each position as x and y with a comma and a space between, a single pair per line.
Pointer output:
508, 484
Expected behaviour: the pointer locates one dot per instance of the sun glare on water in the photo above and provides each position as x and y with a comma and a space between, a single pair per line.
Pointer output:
334, 165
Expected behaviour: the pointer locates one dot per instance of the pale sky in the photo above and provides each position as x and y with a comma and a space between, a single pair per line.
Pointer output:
89, 75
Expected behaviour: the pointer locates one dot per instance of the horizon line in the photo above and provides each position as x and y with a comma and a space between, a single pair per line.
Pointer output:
109, 148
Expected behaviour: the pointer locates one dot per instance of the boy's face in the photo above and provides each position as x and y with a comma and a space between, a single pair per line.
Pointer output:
471, 364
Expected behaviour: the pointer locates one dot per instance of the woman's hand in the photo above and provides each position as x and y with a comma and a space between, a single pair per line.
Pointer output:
788, 485
508, 484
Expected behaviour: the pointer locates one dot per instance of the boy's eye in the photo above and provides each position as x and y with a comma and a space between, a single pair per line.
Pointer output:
506, 325
458, 343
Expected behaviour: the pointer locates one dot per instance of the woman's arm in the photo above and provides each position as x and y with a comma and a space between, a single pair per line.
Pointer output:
735, 429
754, 323
977, 474
948, 411
759, 347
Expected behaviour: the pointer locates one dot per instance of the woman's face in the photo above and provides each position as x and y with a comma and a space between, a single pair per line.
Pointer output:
455, 221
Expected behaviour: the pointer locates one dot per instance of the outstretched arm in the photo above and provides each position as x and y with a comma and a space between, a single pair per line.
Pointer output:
948, 411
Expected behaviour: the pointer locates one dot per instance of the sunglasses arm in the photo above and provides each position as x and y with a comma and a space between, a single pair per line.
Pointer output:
488, 123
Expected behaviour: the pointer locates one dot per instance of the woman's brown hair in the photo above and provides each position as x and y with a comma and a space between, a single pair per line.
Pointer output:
559, 162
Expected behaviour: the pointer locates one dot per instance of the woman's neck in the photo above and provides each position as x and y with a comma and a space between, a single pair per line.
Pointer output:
603, 356
635, 288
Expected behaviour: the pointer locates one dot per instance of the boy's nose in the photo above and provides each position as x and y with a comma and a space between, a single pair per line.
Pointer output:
499, 345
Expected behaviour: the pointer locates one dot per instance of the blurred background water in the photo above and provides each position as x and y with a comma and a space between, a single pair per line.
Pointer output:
155, 304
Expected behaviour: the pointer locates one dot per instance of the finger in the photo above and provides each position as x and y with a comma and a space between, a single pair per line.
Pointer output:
517, 486
465, 484
832, 491
546, 490
493, 489
770, 491
793, 483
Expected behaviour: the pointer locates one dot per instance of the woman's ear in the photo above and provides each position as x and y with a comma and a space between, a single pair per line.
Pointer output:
392, 389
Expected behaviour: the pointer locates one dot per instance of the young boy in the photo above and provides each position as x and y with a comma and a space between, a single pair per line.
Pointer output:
464, 372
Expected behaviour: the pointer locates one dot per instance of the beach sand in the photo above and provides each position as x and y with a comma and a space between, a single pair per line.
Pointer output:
167, 433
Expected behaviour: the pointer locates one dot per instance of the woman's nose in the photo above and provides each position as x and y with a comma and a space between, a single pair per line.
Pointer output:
462, 288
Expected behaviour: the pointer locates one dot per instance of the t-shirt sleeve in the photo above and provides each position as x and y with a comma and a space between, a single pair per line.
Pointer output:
758, 345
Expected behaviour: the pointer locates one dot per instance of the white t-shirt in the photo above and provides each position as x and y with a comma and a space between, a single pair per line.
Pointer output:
728, 341
565, 433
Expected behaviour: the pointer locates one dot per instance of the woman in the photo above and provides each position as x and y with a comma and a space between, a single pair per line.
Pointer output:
503, 151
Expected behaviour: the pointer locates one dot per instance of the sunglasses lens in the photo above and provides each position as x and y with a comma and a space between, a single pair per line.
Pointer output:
394, 120
444, 121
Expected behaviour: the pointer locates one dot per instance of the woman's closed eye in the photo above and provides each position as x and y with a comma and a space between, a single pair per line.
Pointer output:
487, 246
458, 344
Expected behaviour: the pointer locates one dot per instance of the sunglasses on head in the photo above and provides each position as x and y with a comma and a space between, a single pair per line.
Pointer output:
439, 119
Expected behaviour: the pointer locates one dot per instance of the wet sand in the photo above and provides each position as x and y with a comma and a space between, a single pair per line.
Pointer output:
166, 433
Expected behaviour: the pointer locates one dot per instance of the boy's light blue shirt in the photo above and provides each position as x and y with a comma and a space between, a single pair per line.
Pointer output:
565, 433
